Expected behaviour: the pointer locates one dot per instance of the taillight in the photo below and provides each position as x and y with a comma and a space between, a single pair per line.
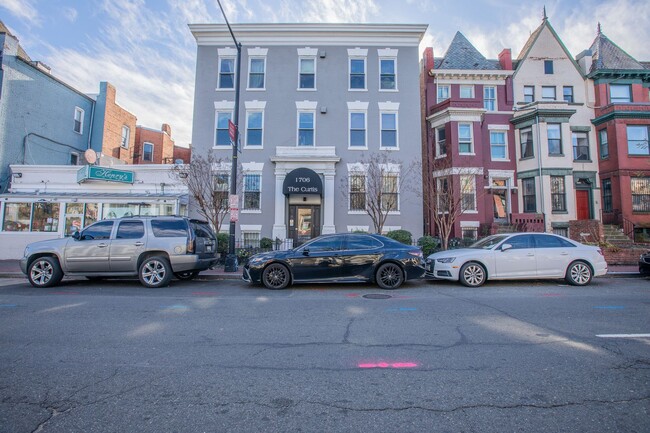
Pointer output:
600, 251
191, 246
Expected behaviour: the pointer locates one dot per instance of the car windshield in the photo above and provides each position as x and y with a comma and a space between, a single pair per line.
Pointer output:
489, 242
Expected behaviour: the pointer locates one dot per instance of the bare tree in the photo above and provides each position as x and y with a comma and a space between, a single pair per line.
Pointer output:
374, 186
207, 180
449, 194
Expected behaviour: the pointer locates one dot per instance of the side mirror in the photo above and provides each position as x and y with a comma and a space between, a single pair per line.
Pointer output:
506, 247
76, 235
305, 252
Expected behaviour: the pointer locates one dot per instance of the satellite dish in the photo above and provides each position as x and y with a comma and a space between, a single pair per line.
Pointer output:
91, 156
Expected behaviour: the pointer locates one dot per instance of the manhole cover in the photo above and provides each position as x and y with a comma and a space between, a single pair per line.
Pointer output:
377, 296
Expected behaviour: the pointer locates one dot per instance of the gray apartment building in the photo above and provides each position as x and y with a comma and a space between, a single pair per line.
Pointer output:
318, 104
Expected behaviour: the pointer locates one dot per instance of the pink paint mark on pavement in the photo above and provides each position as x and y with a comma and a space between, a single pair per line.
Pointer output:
388, 365
351, 295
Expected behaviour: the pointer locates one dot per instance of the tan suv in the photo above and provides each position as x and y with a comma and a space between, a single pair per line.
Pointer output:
153, 248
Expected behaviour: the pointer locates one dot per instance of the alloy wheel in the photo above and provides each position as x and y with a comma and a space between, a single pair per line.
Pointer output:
154, 272
42, 272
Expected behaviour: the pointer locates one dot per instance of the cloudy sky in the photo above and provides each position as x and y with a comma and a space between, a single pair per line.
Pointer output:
145, 49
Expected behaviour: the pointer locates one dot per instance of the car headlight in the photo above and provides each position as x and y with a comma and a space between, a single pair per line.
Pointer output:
446, 260
255, 260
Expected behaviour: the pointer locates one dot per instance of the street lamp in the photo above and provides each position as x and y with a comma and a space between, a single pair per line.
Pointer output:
231, 258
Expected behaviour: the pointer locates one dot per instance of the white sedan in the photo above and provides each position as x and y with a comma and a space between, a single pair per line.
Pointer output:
519, 256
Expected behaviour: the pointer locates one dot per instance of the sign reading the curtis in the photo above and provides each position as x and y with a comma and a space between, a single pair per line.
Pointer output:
302, 181
93, 172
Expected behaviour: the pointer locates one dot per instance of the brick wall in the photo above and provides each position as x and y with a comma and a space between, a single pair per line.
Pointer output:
589, 231
163, 145
115, 118
623, 256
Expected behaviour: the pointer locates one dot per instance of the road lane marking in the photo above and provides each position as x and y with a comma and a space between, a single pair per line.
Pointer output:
623, 335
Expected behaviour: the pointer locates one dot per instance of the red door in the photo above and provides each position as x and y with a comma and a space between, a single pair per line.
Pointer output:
582, 204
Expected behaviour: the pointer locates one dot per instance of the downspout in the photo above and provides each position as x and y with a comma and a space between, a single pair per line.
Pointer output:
539, 165
92, 118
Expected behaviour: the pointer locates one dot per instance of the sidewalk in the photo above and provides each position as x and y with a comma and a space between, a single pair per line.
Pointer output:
11, 269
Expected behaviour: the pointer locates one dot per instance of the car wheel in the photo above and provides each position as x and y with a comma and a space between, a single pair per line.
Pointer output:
44, 272
155, 272
472, 274
578, 274
276, 276
389, 276
186, 275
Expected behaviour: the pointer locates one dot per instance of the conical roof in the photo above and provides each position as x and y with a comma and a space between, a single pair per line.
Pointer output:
461, 54
607, 55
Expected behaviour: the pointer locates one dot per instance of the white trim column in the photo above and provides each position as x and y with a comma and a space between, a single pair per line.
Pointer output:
279, 226
328, 202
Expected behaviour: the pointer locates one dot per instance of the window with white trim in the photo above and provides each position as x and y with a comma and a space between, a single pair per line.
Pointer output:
358, 129
222, 136
357, 191
490, 98
221, 187
548, 93
147, 152
465, 140
442, 194
78, 126
126, 137
390, 192
529, 94
254, 128
357, 74
498, 147
466, 91
443, 92
441, 141
637, 140
620, 93
640, 187
306, 128
307, 74
250, 239
389, 130
388, 74
252, 191
256, 72
468, 192
226, 73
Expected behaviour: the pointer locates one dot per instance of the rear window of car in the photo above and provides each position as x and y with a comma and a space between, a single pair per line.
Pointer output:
169, 228
362, 243
130, 230
547, 241
202, 230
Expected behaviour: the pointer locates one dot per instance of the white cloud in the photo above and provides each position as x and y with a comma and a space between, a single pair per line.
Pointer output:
70, 14
23, 9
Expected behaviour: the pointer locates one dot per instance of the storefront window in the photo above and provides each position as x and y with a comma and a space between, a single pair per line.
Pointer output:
119, 210
79, 215
92, 210
46, 217
16, 217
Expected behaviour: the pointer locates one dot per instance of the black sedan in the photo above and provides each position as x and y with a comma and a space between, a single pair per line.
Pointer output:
338, 258
644, 264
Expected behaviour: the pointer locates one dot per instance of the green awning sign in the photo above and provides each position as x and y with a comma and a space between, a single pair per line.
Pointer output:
93, 172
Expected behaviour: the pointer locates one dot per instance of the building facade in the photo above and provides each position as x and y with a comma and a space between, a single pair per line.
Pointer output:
622, 123
153, 146
557, 158
318, 101
469, 142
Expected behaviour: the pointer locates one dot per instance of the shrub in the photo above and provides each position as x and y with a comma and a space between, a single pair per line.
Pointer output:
222, 243
403, 236
428, 244
266, 243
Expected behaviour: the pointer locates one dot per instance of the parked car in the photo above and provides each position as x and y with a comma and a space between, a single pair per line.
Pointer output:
152, 248
519, 256
338, 258
644, 264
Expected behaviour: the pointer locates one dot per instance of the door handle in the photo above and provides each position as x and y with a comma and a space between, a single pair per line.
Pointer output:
139, 244
530, 254
564, 254
102, 245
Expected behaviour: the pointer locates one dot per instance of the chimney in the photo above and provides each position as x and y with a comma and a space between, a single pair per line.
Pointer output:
428, 59
167, 129
585, 59
505, 59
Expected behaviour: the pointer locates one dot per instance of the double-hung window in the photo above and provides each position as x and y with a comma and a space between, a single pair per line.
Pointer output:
357, 68
554, 138
441, 141
443, 92
126, 137
529, 94
607, 195
254, 128
466, 91
387, 78
528, 195
620, 93
307, 73
252, 191
257, 71
357, 192
567, 93
221, 189
548, 93
604, 145
222, 136
358, 130
226, 73
580, 146
637, 140
390, 192
147, 152
443, 195
498, 148
526, 141
389, 130
465, 144
78, 120
640, 187
468, 192
558, 194
306, 128
490, 98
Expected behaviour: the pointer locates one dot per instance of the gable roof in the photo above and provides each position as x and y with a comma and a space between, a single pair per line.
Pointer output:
525, 51
607, 55
461, 54
21, 53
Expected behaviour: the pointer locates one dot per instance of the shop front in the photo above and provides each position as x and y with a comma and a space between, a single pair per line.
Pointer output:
47, 202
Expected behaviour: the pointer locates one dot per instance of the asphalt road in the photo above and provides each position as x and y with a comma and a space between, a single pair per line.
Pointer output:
224, 356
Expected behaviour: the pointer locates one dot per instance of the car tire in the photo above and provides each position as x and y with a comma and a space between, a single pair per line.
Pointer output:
389, 276
472, 274
186, 275
276, 276
155, 272
44, 272
578, 274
